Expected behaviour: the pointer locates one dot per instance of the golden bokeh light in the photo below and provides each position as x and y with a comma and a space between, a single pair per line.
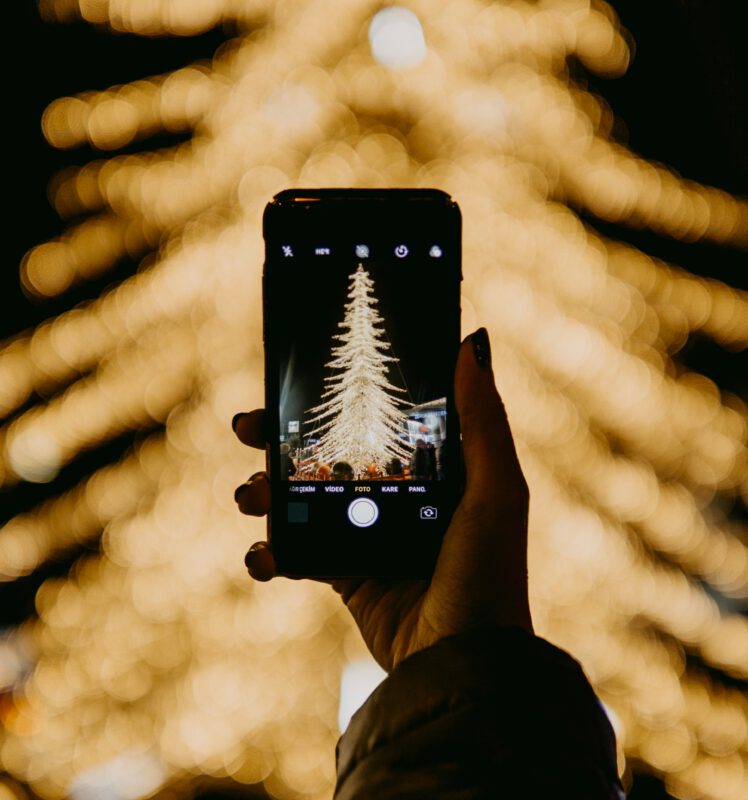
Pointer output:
156, 655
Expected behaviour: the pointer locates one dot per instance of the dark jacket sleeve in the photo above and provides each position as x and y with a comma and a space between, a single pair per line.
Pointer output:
489, 714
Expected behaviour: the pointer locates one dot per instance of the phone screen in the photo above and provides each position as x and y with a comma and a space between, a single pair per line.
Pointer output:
361, 331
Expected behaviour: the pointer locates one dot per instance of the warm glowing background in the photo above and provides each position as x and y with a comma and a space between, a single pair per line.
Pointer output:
155, 663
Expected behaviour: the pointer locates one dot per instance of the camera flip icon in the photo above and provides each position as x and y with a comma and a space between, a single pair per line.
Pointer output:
428, 512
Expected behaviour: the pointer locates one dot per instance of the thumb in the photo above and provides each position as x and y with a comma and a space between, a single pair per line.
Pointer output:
481, 573
493, 474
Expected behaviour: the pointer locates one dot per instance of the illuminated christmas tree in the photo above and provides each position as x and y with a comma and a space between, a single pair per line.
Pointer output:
138, 644
361, 417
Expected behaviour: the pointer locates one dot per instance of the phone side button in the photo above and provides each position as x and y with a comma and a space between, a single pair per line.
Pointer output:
363, 512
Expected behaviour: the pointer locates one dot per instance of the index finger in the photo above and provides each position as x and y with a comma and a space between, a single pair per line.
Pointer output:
250, 427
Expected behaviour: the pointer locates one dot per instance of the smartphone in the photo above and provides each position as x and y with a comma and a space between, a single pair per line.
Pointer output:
361, 307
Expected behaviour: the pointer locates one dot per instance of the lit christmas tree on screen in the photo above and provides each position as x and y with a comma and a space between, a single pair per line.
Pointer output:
361, 418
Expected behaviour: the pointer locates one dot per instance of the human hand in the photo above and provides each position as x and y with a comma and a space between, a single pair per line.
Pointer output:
480, 578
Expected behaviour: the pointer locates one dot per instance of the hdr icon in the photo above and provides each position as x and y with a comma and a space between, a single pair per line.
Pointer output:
322, 251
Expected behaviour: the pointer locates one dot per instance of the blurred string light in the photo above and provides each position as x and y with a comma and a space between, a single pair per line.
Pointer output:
158, 651
396, 38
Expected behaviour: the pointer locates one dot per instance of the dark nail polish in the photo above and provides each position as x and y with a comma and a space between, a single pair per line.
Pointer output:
481, 348
240, 489
235, 421
249, 558
253, 558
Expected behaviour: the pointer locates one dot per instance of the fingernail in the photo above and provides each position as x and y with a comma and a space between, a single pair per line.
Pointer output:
235, 420
481, 348
249, 559
242, 486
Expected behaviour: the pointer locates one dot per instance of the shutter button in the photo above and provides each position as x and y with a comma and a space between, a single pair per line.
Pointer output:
363, 512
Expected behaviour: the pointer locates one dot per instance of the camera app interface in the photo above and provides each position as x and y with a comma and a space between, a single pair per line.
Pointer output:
365, 345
